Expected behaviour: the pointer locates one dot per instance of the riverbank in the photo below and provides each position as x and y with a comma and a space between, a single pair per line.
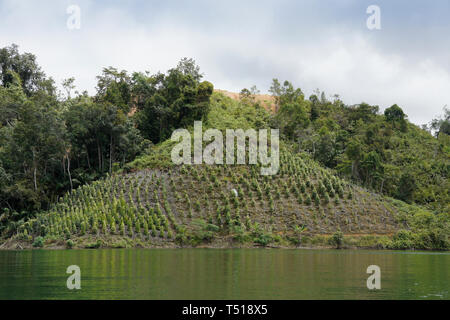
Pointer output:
347, 242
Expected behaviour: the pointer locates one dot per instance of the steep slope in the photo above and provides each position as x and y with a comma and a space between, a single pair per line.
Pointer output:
154, 203
191, 205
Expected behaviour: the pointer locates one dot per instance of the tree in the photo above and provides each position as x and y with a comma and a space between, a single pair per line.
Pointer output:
406, 187
187, 66
395, 114
442, 123
363, 111
24, 65
33, 148
11, 98
114, 87
100, 134
170, 101
291, 117
372, 166
314, 114
275, 88
337, 239
292, 114
326, 150
68, 85
354, 153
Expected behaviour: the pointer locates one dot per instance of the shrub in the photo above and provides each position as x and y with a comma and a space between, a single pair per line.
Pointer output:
38, 242
212, 227
69, 244
316, 201
402, 240
308, 200
337, 239
94, 245
239, 234
263, 239
326, 198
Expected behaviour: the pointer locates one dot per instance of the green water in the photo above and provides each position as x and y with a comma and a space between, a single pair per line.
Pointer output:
223, 274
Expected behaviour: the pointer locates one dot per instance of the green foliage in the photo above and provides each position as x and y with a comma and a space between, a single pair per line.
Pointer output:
24, 66
171, 101
374, 150
406, 188
79, 167
69, 244
337, 239
38, 242
202, 232
395, 114
263, 239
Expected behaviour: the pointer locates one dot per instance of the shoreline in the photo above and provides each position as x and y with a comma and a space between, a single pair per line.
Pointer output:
9, 245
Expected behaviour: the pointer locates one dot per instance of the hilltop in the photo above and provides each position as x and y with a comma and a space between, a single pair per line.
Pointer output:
265, 100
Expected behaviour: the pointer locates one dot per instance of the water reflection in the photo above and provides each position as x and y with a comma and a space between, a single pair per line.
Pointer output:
223, 274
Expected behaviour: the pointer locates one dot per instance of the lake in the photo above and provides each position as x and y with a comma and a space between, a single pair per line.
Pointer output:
223, 274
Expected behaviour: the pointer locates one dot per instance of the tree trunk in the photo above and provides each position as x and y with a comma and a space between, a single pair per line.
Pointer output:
87, 156
111, 146
35, 182
100, 164
34, 171
68, 171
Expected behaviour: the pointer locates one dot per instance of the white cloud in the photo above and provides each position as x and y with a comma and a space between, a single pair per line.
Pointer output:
249, 50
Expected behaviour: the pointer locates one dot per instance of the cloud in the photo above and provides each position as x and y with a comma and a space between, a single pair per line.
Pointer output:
240, 44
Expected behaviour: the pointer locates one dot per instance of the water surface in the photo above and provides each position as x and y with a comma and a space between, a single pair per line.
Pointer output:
223, 274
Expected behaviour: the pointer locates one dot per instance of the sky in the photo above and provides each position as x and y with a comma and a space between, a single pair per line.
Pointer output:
315, 44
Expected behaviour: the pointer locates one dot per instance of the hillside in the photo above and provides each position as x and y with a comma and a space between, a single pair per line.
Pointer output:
90, 171
194, 205
153, 203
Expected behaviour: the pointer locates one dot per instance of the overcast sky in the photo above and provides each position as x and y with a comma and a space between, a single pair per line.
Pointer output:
314, 44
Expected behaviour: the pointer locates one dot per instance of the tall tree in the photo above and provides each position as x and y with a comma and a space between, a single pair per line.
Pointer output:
24, 65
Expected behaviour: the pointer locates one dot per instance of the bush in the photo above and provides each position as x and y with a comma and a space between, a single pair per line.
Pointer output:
402, 240
263, 239
38, 242
434, 239
212, 227
181, 238
337, 239
94, 245
119, 244
69, 244
308, 200
239, 234
202, 232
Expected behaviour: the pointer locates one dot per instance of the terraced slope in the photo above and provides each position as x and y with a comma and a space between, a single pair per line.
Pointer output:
153, 203
218, 206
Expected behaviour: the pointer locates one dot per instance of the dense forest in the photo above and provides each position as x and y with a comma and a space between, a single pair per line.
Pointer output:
55, 143
52, 142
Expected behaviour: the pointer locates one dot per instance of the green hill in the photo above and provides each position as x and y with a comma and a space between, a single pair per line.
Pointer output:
89, 171
152, 203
